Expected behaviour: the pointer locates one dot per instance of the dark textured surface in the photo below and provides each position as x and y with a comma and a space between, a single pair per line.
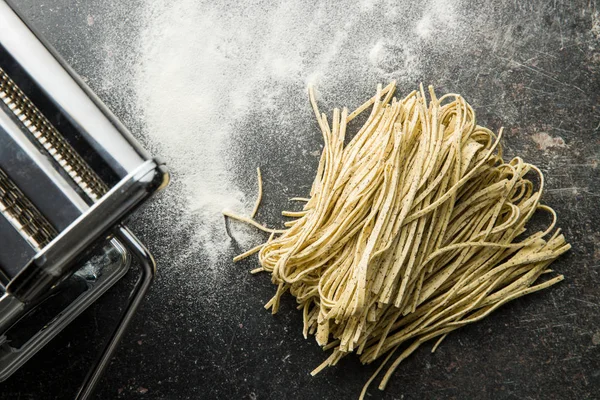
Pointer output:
538, 74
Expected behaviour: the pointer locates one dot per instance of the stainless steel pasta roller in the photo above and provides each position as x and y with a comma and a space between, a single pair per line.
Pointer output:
70, 173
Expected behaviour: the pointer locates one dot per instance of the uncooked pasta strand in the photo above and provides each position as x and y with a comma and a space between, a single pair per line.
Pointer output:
250, 221
248, 253
260, 190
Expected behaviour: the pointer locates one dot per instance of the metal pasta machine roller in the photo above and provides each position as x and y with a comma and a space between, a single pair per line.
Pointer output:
69, 175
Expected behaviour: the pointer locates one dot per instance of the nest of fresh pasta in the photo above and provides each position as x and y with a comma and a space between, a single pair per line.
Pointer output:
414, 228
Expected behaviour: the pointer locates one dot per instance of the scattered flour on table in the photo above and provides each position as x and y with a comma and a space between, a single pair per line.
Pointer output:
204, 66
544, 141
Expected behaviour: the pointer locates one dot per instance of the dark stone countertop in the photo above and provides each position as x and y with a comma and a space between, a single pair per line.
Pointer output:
537, 72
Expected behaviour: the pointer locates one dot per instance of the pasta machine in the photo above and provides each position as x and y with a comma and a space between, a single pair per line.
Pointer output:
70, 174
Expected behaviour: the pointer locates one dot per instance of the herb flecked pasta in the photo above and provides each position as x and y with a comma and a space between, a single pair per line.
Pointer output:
413, 229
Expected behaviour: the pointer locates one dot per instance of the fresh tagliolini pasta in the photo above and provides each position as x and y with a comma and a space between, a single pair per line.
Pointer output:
413, 229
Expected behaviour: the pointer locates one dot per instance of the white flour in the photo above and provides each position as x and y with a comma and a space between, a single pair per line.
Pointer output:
204, 66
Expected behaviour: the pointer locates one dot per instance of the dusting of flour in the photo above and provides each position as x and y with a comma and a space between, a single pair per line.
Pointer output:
184, 86
205, 66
